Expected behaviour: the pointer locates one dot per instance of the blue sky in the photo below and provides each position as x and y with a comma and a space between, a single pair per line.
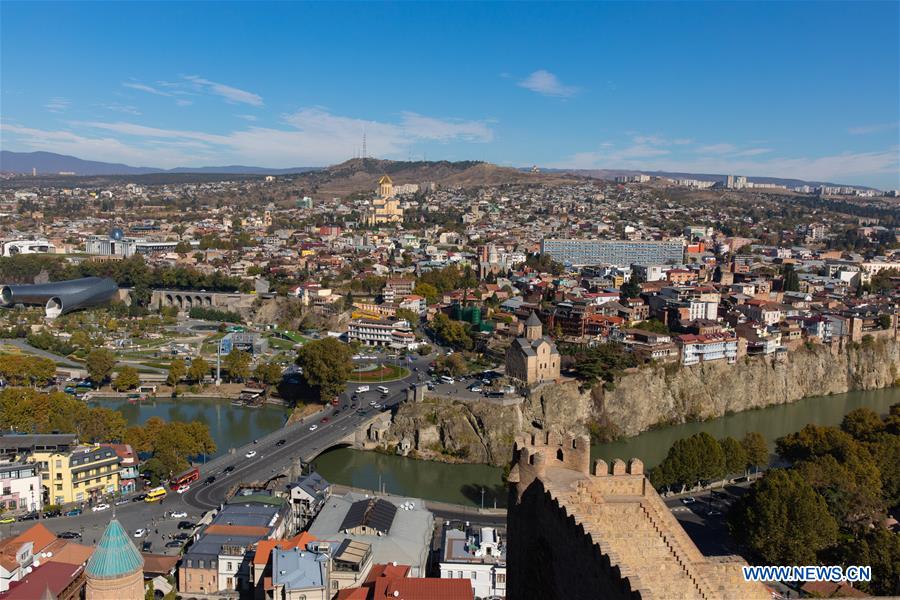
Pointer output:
808, 90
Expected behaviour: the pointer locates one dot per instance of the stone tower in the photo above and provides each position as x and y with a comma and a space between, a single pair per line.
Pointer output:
534, 329
115, 571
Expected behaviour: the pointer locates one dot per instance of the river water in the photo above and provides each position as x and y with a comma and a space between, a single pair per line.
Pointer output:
463, 484
230, 426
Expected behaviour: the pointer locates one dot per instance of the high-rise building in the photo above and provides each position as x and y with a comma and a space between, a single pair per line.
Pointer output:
614, 252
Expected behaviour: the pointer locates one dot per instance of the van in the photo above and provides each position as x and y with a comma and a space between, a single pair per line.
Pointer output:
446, 379
362, 388
383, 390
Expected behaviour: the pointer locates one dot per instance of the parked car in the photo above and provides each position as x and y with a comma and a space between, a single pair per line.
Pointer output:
185, 525
139, 533
178, 514
7, 520
52, 513
139, 498
173, 544
69, 535
30, 516
99, 507
73, 513
183, 536
147, 546
121, 501
688, 500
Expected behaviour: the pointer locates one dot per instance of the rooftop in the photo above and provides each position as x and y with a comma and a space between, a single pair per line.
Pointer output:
115, 555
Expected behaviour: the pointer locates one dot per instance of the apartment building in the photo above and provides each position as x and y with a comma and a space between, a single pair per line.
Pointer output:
396, 288
77, 474
696, 349
614, 252
477, 555
381, 332
20, 487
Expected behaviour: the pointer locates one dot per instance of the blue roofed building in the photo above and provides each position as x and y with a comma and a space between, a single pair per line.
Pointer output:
301, 573
115, 571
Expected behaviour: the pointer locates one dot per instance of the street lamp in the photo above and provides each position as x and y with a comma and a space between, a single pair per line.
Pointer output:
482, 498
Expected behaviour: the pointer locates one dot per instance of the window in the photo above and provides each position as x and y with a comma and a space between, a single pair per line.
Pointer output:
230, 567
58, 464
459, 574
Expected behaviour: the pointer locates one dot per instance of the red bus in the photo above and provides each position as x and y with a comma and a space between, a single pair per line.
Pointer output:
189, 476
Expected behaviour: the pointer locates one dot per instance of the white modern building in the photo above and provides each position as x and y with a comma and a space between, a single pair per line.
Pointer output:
696, 349
20, 487
381, 332
477, 555
28, 247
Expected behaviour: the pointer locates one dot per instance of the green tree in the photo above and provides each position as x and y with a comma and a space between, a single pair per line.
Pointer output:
22, 369
603, 362
427, 291
198, 370
630, 289
408, 315
689, 461
791, 282
177, 371
863, 424
100, 363
783, 520
237, 363
851, 487
128, 378
326, 364
756, 448
170, 443
268, 373
880, 549
451, 333
735, 455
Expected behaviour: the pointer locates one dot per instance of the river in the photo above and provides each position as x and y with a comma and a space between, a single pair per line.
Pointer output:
462, 484
230, 426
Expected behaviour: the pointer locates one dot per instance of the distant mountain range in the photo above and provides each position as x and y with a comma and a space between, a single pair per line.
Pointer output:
355, 173
49, 163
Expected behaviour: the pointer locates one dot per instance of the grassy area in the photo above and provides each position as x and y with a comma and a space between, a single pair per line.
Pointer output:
385, 373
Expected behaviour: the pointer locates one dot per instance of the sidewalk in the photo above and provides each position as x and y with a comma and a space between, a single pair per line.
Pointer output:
431, 505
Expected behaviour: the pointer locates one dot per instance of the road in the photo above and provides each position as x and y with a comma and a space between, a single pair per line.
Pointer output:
270, 460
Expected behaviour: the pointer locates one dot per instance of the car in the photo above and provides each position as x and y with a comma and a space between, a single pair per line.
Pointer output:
251, 454
139, 533
210, 479
7, 520
99, 507
121, 501
183, 536
475, 388
714, 513
185, 525
313, 427
147, 546
30, 516
376, 406
281, 442
173, 544
688, 500
324, 420
139, 498
52, 513
228, 469
69, 535
183, 488
180, 514
73, 513
372, 403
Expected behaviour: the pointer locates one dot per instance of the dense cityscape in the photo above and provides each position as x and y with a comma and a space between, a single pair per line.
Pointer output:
615, 374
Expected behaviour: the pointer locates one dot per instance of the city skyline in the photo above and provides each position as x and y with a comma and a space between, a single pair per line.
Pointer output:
762, 89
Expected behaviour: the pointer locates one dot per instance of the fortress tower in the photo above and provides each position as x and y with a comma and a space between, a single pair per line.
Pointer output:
587, 532
115, 571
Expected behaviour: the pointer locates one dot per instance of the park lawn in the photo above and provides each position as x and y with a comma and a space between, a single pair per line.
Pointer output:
385, 373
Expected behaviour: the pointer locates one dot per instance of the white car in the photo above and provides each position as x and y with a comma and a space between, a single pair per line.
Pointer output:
475, 388
178, 515
251, 454
313, 427
361, 389
688, 500
372, 403
99, 507
183, 488
139, 533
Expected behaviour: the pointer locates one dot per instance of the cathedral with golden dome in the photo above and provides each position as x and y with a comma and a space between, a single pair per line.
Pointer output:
385, 208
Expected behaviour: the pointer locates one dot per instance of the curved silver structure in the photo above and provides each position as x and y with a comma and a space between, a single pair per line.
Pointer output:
61, 297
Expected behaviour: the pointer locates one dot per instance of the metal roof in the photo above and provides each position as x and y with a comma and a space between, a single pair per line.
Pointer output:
115, 555
374, 513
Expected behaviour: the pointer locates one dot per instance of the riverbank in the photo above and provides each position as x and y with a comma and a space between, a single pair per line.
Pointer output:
462, 483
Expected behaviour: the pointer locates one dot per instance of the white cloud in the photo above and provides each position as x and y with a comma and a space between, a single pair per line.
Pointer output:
548, 84
57, 105
232, 94
247, 117
122, 108
145, 88
717, 149
183, 102
877, 128
309, 137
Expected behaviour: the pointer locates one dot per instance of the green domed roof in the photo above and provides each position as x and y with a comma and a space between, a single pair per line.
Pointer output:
115, 555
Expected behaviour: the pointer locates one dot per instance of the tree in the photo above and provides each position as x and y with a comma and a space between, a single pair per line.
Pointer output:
863, 424
756, 449
630, 289
689, 461
604, 362
170, 443
237, 363
427, 291
851, 487
268, 373
783, 520
198, 370
451, 333
884, 321
790, 282
22, 369
408, 315
326, 364
177, 371
735, 455
100, 363
880, 549
127, 378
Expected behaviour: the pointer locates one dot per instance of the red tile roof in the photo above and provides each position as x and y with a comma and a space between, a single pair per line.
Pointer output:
53, 575
423, 589
248, 530
264, 547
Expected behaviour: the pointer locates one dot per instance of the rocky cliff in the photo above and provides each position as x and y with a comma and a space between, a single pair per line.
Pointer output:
483, 432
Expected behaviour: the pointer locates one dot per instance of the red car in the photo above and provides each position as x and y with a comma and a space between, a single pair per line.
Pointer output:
324, 420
